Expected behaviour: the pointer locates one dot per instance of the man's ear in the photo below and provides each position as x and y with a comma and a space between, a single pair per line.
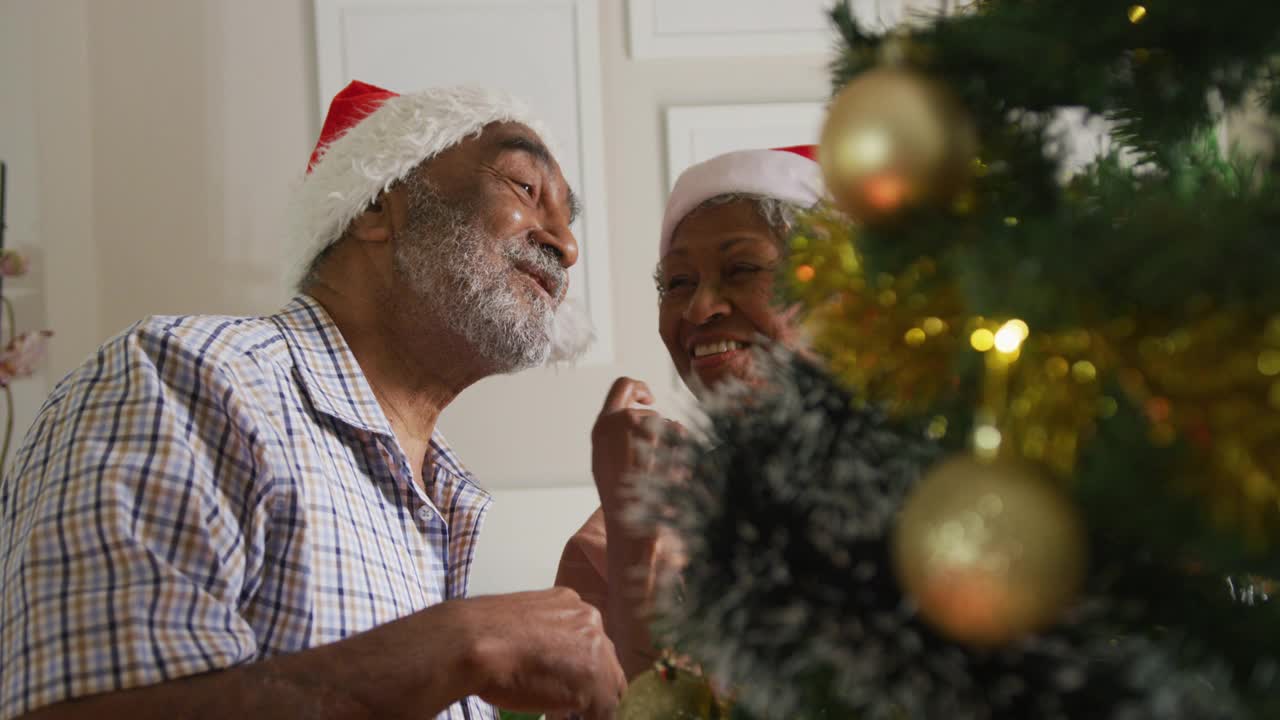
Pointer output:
376, 223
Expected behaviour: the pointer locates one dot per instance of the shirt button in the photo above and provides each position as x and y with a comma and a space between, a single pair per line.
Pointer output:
424, 514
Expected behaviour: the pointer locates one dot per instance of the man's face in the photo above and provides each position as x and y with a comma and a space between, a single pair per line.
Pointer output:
486, 246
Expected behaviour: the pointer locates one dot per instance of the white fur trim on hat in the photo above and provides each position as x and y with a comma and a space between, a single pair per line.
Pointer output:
768, 173
385, 147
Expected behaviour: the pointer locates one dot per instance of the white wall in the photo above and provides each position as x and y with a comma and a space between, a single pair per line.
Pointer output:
19, 150
203, 117
169, 135
152, 146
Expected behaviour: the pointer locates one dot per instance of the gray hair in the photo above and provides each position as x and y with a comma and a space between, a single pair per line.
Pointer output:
311, 269
779, 214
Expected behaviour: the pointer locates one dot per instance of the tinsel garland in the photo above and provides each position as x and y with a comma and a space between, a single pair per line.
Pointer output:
789, 597
1203, 379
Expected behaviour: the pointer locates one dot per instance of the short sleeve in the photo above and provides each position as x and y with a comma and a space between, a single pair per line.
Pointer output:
125, 528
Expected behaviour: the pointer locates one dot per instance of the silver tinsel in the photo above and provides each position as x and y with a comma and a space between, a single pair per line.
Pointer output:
785, 502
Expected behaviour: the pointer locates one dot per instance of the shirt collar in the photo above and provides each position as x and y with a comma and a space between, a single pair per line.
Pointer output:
442, 456
336, 384
327, 367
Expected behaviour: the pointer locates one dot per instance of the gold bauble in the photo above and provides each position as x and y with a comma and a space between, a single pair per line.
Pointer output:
990, 551
665, 692
895, 138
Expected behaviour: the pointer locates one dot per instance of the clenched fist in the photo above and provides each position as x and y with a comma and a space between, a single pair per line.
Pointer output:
543, 651
623, 443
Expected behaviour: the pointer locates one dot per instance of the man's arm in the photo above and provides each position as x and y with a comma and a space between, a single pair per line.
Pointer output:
541, 651
381, 673
137, 523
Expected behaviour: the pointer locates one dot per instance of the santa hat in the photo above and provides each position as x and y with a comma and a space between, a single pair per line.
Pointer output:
791, 174
373, 137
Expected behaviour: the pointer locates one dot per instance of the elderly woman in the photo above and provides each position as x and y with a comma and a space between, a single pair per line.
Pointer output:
723, 234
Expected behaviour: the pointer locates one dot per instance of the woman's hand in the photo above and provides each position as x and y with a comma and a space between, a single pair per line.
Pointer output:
623, 443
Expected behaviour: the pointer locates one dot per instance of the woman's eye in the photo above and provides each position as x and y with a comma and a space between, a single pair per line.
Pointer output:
526, 187
675, 285
744, 269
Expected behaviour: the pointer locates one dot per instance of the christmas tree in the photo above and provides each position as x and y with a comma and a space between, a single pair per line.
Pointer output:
1037, 472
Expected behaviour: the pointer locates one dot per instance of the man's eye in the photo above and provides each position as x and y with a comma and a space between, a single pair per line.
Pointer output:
526, 187
742, 269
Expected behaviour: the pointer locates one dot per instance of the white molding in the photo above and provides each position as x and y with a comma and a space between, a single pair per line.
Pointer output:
699, 132
745, 28
739, 37
584, 133
329, 56
591, 154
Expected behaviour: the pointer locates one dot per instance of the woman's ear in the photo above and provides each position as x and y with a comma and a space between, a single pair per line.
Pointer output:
374, 225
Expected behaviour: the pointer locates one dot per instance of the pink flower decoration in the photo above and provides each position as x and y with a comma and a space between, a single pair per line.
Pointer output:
23, 354
13, 263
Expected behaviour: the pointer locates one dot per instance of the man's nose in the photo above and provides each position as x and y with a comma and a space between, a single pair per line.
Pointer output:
562, 244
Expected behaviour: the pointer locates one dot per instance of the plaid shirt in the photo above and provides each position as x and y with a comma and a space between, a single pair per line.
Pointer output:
208, 492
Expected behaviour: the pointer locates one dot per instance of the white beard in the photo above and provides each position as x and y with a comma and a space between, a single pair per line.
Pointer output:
453, 270
571, 332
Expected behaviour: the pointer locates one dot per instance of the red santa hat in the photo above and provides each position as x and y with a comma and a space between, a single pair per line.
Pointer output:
791, 174
373, 137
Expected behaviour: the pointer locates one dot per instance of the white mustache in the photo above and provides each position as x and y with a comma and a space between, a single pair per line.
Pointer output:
522, 251
571, 332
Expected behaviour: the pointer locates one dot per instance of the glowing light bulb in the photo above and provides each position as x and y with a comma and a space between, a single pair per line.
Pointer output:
1084, 371
1269, 362
986, 441
982, 340
1010, 336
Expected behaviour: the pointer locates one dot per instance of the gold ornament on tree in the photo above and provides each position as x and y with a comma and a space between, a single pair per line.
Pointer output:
895, 138
990, 551
667, 692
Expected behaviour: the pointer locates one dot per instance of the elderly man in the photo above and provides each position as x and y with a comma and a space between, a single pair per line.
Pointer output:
256, 517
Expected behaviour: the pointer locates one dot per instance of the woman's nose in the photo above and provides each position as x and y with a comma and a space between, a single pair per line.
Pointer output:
707, 304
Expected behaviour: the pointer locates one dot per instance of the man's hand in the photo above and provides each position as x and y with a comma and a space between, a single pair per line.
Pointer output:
543, 651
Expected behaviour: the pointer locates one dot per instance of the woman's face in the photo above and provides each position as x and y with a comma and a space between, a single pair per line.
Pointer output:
716, 292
